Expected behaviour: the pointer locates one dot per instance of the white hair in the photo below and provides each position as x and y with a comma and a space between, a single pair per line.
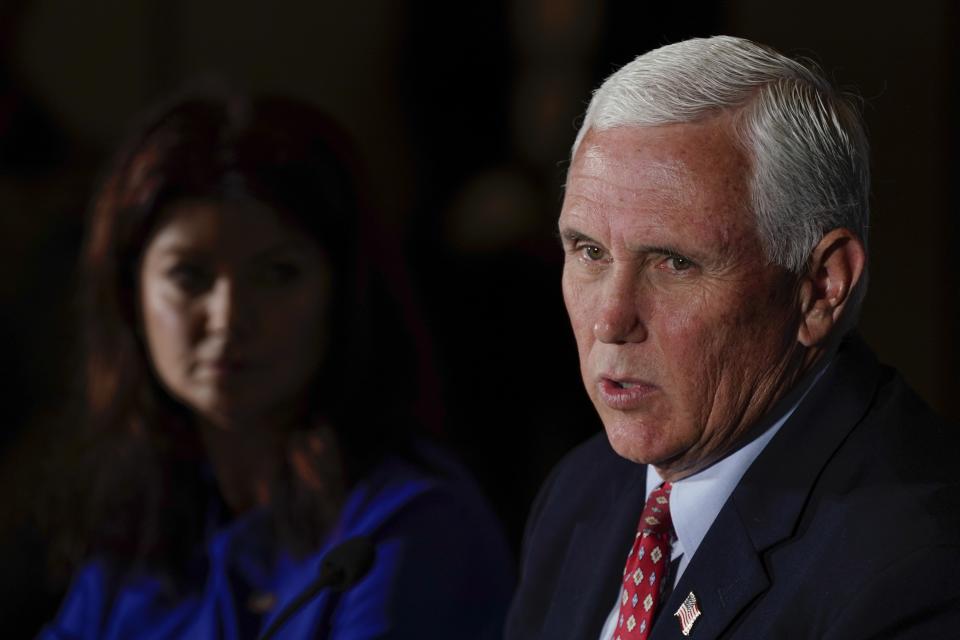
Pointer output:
805, 140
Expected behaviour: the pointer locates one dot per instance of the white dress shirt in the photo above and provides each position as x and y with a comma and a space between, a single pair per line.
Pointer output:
696, 500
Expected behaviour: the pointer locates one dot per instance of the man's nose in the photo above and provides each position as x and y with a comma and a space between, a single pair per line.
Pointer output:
619, 317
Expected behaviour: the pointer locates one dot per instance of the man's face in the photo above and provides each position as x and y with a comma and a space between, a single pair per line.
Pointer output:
686, 333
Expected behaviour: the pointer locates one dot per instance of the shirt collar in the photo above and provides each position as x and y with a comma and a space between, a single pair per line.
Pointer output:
696, 500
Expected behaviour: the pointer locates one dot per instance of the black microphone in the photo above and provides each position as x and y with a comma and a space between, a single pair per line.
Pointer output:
341, 568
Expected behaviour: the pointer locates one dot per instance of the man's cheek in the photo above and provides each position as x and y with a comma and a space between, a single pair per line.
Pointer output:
679, 329
578, 306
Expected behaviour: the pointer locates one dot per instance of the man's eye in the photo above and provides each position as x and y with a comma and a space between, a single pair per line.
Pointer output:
592, 252
679, 263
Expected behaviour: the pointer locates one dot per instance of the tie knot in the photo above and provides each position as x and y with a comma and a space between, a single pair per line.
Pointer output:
656, 519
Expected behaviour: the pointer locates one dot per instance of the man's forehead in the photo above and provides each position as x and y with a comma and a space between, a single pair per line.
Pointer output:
618, 155
620, 171
691, 157
688, 179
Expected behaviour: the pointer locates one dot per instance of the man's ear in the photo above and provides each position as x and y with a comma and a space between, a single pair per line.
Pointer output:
836, 266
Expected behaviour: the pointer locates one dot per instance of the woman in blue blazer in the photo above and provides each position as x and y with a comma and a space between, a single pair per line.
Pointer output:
249, 403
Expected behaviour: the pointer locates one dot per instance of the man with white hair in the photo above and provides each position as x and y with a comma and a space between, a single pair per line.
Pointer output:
760, 474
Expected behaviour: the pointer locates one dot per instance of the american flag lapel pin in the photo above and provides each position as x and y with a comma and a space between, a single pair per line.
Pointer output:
688, 613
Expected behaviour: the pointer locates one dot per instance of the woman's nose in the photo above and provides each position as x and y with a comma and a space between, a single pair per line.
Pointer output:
225, 312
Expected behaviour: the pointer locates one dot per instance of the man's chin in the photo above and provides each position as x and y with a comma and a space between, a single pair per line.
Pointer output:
642, 444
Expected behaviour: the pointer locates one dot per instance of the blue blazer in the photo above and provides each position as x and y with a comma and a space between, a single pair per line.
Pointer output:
846, 526
442, 569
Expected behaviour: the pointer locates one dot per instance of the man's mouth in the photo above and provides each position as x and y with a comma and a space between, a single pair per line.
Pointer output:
624, 394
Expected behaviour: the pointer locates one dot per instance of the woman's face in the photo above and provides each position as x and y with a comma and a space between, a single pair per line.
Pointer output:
234, 309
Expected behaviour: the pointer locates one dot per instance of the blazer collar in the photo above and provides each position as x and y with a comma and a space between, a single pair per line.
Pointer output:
727, 572
596, 551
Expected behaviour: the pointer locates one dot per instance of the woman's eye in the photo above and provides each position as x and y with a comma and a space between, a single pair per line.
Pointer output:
189, 277
280, 272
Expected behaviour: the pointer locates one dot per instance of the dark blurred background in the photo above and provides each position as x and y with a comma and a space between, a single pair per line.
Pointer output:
464, 113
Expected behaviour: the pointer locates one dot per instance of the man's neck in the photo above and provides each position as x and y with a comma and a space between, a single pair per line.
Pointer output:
807, 365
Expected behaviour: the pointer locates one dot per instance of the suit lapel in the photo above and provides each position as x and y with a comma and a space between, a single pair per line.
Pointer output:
726, 573
596, 552
723, 586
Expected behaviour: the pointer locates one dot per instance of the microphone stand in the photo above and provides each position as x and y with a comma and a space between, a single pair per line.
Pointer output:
341, 568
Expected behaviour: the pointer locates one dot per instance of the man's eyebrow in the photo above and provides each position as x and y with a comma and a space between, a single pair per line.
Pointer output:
573, 236
661, 250
568, 234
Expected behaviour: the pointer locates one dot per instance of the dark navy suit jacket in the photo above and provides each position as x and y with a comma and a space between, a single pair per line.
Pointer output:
846, 526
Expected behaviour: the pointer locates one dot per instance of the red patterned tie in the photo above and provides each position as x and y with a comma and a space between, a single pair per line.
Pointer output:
646, 564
